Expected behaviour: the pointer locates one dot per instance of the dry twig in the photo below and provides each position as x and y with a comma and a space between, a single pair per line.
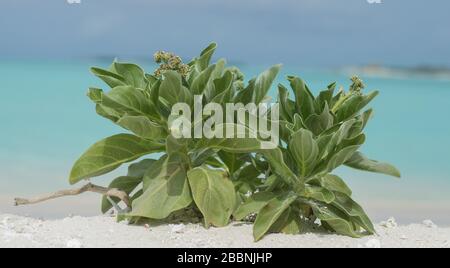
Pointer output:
113, 192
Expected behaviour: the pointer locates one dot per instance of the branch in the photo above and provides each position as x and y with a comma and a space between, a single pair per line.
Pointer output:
113, 192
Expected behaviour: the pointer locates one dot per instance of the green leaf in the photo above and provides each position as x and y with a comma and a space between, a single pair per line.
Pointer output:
304, 100
214, 195
285, 130
133, 75
128, 183
166, 188
143, 127
355, 211
287, 106
96, 95
127, 99
248, 172
361, 162
336, 219
198, 158
233, 145
139, 169
272, 183
245, 95
305, 150
361, 123
205, 57
297, 123
172, 90
258, 87
336, 139
319, 193
125, 106
319, 123
152, 79
292, 224
287, 223
323, 142
201, 81
225, 82
277, 163
259, 163
231, 160
219, 70
326, 96
365, 117
224, 90
263, 83
341, 157
246, 144
270, 213
108, 154
253, 204
342, 133
110, 78
154, 92
107, 112
357, 140
213, 162
353, 105
336, 184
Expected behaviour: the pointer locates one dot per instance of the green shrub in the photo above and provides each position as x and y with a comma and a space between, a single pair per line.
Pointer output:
221, 179
320, 134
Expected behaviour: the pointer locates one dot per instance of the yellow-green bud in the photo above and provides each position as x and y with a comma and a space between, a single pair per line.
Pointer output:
169, 61
357, 84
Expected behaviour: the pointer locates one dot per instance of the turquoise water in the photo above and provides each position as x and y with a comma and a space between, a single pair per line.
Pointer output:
47, 122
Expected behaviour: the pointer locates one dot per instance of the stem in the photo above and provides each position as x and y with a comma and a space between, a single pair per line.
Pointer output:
113, 192
356, 87
340, 102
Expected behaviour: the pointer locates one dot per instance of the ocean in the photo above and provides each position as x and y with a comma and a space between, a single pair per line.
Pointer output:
47, 122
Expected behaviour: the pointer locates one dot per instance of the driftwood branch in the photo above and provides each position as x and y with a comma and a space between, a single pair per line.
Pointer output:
113, 192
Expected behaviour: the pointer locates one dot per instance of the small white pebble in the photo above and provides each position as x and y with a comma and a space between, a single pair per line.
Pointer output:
19, 229
174, 237
403, 237
373, 243
177, 228
429, 224
390, 223
73, 243
146, 226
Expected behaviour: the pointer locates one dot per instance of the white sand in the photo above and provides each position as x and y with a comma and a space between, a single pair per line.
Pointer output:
102, 231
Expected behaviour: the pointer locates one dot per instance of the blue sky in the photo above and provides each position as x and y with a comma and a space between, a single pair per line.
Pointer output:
303, 32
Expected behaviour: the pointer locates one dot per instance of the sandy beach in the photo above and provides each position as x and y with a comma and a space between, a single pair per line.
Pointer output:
103, 231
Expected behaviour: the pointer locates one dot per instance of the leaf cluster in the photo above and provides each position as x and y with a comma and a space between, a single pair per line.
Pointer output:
224, 179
